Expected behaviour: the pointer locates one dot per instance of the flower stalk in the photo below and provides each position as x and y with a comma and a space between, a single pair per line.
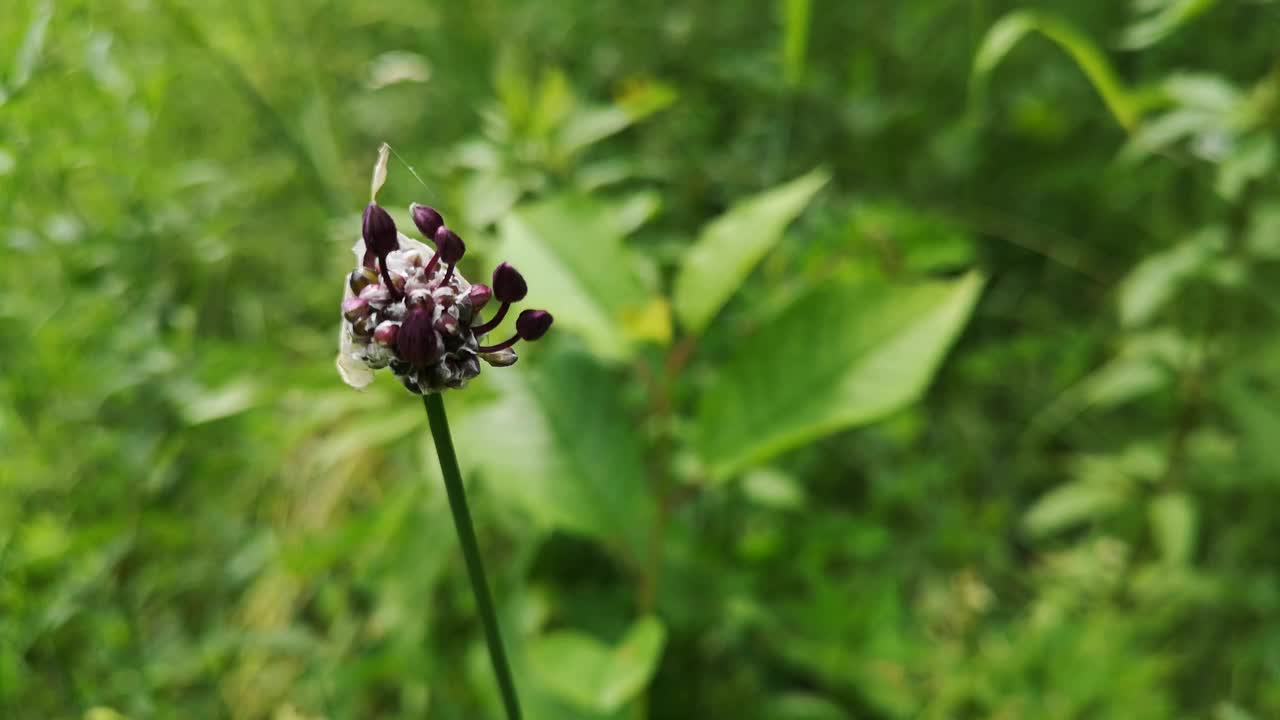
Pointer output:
439, 423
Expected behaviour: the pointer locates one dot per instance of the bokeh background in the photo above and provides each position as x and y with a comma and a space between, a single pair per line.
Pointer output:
913, 359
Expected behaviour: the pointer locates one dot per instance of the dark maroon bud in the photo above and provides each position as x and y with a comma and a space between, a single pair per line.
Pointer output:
417, 342
427, 220
533, 324
449, 245
385, 334
479, 296
361, 279
379, 231
508, 284
354, 308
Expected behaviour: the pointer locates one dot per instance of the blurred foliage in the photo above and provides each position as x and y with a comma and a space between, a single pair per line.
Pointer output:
913, 359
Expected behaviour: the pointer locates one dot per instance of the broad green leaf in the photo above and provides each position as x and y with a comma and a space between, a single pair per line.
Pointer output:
1073, 503
558, 444
1173, 526
731, 245
1012, 28
591, 675
839, 357
572, 251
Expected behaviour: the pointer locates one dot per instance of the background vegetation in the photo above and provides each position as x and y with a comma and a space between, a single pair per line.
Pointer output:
913, 359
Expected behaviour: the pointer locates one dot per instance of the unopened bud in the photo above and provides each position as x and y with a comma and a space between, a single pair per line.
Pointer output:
479, 296
427, 220
449, 245
361, 279
354, 308
385, 334
379, 231
505, 357
533, 324
417, 342
376, 295
508, 284
447, 324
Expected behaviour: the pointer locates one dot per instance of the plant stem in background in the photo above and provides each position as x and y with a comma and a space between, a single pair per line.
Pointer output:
470, 550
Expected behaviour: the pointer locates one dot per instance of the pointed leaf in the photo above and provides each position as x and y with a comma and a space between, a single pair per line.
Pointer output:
558, 444
840, 357
730, 246
579, 268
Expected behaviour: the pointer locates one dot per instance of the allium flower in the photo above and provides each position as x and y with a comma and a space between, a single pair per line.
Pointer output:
406, 307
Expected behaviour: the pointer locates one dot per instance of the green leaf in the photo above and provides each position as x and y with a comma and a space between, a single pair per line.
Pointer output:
571, 248
1165, 18
839, 357
557, 443
795, 39
1012, 28
1173, 526
730, 246
24, 63
592, 676
1155, 280
1073, 503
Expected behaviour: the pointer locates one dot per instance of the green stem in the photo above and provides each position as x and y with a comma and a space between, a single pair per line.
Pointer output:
470, 549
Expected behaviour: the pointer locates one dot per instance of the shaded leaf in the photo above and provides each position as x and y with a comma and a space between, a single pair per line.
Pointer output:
839, 357
1173, 526
570, 459
1012, 28
730, 246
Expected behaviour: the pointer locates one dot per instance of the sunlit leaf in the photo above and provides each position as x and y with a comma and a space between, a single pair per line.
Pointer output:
592, 675
572, 250
1165, 18
731, 245
1073, 503
839, 357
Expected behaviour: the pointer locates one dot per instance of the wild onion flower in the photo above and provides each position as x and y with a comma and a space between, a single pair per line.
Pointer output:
405, 305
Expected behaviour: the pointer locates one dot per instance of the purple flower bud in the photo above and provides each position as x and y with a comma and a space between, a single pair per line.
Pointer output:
354, 308
533, 324
417, 342
447, 324
508, 284
505, 357
379, 231
427, 220
479, 296
449, 245
361, 279
376, 295
385, 334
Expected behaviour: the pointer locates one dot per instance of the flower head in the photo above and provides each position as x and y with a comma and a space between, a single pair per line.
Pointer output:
406, 307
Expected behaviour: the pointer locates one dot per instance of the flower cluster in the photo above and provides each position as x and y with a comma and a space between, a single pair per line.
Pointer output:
407, 307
